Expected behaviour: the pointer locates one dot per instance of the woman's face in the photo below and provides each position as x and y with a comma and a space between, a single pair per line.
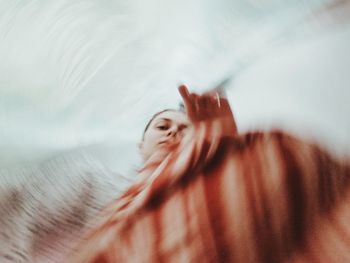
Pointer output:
164, 131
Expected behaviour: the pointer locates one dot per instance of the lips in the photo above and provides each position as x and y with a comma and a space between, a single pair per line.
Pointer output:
164, 142
168, 142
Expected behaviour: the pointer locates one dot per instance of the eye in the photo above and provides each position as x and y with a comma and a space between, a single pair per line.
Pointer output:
183, 127
162, 127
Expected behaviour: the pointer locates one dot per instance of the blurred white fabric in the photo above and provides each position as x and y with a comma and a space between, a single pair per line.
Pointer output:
88, 74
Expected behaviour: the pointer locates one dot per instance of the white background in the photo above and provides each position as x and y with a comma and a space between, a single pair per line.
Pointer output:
87, 75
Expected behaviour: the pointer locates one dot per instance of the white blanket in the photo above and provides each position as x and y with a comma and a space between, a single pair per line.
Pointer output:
45, 207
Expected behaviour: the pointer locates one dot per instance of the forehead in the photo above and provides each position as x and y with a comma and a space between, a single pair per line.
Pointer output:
173, 116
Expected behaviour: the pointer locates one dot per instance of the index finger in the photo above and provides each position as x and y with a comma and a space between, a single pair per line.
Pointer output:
184, 92
186, 96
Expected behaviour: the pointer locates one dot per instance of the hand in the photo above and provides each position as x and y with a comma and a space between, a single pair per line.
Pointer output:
209, 107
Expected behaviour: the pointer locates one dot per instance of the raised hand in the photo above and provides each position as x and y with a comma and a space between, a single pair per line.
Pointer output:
209, 106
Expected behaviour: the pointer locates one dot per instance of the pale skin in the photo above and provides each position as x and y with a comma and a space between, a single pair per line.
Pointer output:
168, 128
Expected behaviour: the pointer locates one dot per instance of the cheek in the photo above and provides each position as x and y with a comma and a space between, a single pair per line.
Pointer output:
157, 135
152, 139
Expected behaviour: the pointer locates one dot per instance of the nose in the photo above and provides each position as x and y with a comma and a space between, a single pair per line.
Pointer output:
173, 131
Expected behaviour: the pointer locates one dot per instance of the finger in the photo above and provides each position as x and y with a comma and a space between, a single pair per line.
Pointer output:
204, 104
214, 107
194, 102
184, 92
220, 90
213, 99
186, 97
192, 106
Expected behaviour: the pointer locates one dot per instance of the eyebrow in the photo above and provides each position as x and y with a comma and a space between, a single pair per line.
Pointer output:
166, 119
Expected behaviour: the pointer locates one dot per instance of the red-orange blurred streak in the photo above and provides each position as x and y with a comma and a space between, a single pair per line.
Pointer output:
259, 197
